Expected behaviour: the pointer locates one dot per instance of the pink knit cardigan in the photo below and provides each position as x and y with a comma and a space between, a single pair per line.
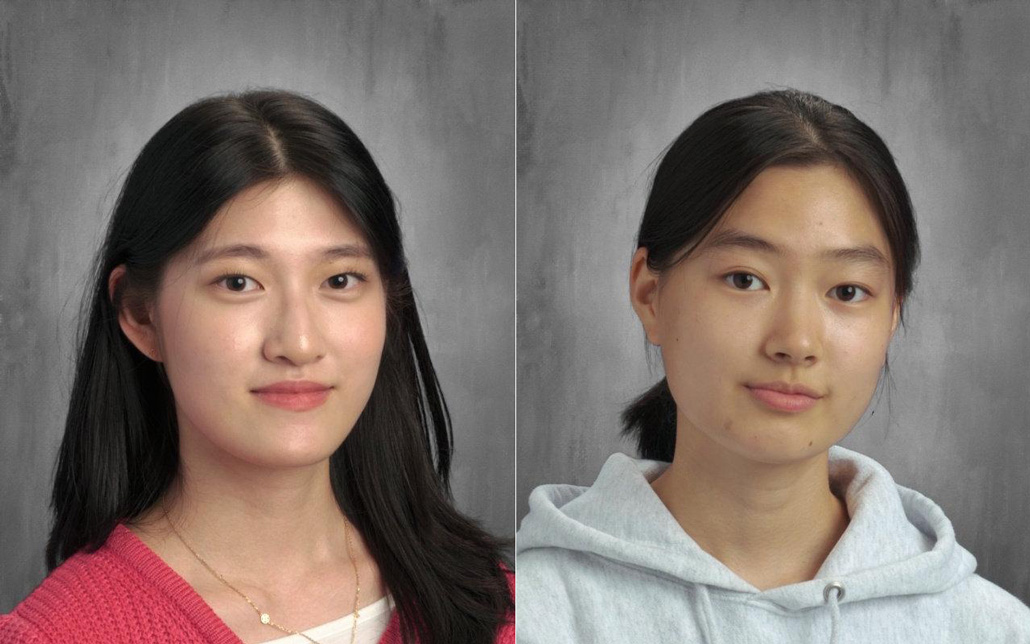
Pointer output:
124, 592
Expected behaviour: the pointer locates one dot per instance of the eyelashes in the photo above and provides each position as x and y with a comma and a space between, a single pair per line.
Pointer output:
744, 281
848, 293
851, 293
236, 283
350, 280
240, 283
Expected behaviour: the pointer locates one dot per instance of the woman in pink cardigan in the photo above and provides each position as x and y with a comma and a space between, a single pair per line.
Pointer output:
257, 448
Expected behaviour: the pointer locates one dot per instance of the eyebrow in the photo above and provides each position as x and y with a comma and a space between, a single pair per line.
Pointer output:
256, 252
730, 238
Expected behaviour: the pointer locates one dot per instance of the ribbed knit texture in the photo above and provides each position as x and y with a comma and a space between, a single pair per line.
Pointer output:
124, 592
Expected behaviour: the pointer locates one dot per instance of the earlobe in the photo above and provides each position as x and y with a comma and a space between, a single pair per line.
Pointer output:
136, 323
643, 295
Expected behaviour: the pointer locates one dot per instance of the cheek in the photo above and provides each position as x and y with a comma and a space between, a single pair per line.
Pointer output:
858, 354
357, 339
200, 344
703, 345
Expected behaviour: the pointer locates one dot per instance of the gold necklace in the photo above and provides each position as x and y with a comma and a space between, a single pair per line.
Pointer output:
264, 617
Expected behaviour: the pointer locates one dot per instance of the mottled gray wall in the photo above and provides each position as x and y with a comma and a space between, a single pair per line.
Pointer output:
603, 87
428, 86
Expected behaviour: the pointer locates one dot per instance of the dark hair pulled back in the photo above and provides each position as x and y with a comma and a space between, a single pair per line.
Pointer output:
711, 163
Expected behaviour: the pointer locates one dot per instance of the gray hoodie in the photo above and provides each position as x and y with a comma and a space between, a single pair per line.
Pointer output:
609, 563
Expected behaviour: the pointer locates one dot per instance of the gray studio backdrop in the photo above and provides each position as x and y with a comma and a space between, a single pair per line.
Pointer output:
429, 87
603, 87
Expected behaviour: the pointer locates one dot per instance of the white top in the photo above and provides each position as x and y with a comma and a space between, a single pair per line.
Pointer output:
372, 623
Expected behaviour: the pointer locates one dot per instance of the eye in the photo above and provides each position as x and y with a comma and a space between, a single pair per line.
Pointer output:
238, 283
849, 293
345, 281
744, 281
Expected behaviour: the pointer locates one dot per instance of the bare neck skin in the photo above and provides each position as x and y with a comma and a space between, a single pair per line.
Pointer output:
276, 534
772, 525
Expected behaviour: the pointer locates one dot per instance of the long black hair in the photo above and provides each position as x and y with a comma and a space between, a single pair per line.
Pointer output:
390, 477
711, 163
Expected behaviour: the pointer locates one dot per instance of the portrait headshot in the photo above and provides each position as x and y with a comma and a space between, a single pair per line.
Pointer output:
484, 321
773, 362
257, 321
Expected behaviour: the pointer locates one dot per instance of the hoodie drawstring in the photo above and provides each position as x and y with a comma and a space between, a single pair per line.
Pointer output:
708, 623
833, 594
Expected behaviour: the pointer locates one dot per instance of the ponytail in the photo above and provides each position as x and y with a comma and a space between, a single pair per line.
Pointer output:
651, 421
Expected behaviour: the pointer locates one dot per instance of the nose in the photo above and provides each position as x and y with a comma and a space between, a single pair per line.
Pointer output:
796, 331
294, 336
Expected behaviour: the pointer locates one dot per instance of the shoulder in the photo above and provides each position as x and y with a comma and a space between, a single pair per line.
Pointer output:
981, 602
506, 633
121, 592
16, 630
61, 606
975, 610
551, 575
545, 606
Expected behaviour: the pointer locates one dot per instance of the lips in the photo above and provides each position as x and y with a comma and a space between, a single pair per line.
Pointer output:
294, 395
784, 397
293, 387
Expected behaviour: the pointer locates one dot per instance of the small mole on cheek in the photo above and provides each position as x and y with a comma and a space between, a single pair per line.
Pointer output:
728, 425
809, 443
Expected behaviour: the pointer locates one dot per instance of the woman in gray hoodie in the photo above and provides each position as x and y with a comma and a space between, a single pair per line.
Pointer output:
774, 258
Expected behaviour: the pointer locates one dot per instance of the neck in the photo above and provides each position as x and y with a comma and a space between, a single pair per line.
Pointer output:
239, 517
771, 524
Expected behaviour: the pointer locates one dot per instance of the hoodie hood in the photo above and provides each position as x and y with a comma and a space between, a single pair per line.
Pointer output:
898, 542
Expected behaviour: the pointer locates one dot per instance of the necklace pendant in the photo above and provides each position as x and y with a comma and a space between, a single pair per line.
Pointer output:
265, 619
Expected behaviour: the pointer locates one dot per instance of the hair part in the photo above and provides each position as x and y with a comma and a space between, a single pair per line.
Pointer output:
713, 161
120, 451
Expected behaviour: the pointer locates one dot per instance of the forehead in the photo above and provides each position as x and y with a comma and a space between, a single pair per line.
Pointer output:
288, 214
806, 210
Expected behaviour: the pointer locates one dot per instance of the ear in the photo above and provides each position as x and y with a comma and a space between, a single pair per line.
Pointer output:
896, 316
643, 295
136, 321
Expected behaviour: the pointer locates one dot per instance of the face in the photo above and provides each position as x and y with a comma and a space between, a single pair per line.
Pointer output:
774, 330
270, 327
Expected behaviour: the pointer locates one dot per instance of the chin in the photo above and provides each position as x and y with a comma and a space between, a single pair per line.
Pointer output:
775, 444
287, 459
288, 452
784, 454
